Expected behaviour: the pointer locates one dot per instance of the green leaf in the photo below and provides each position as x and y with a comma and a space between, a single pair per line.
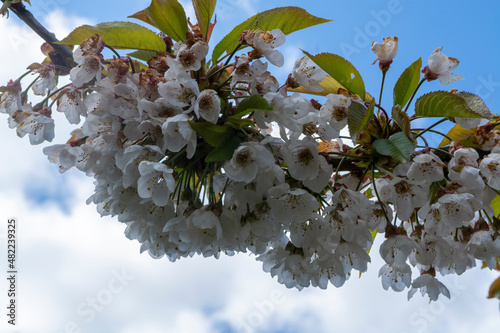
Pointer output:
287, 19
476, 104
139, 66
444, 104
225, 150
397, 146
358, 118
169, 17
402, 120
141, 15
407, 83
142, 54
495, 204
330, 86
374, 234
341, 70
239, 123
204, 9
461, 135
250, 104
211, 133
119, 35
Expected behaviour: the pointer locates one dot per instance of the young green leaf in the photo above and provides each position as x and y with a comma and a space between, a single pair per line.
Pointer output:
407, 83
119, 35
139, 66
287, 19
402, 120
142, 54
211, 133
204, 9
495, 204
225, 150
397, 146
358, 118
169, 17
330, 86
460, 135
141, 15
249, 104
239, 123
342, 71
444, 104
476, 104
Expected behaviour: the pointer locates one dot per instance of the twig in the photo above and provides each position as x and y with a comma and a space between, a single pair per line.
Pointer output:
63, 55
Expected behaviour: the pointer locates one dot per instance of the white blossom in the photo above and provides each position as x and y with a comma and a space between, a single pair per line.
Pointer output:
428, 285
308, 74
266, 42
440, 67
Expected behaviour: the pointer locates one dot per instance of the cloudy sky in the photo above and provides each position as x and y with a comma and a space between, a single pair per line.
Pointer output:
77, 271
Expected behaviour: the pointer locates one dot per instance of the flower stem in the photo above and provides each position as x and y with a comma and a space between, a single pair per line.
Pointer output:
362, 177
113, 50
433, 125
381, 88
22, 76
414, 93
232, 54
50, 94
25, 92
220, 70
433, 131
337, 171
378, 197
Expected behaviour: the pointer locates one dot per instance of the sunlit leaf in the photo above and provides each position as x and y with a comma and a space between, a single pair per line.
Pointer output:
476, 104
341, 70
119, 35
407, 83
374, 234
494, 289
142, 54
330, 86
169, 17
204, 9
460, 135
444, 104
141, 15
495, 204
287, 19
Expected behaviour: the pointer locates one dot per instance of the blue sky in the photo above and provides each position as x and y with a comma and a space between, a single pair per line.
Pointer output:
69, 254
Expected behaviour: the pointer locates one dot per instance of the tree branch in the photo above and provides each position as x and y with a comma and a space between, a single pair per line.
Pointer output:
63, 56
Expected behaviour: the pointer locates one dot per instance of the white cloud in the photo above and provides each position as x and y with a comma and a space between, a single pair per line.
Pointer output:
62, 24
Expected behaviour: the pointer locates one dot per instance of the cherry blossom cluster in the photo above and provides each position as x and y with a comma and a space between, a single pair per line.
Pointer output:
224, 159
